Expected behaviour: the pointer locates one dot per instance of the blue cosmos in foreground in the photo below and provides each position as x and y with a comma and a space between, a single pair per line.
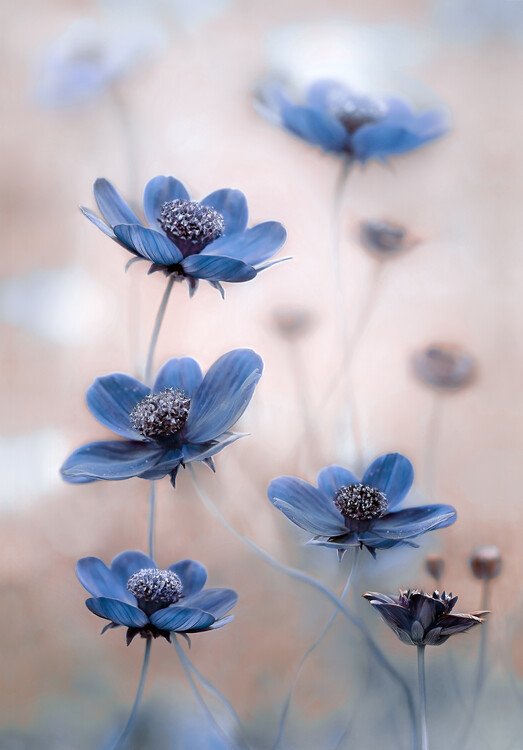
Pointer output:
184, 417
134, 593
340, 121
344, 511
191, 240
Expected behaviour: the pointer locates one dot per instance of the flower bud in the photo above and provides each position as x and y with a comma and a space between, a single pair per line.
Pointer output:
435, 566
486, 562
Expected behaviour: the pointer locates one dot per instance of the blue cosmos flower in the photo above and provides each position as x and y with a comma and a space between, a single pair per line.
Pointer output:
193, 240
134, 593
185, 417
340, 121
344, 511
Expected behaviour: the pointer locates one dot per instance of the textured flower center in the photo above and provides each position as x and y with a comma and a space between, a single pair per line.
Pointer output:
191, 225
361, 502
153, 585
353, 116
161, 414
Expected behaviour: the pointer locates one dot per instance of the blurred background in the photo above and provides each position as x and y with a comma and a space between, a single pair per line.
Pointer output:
173, 94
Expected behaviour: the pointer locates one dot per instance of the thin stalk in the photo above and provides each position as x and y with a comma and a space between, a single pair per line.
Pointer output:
337, 206
185, 662
433, 433
127, 730
150, 525
156, 330
330, 595
309, 651
422, 704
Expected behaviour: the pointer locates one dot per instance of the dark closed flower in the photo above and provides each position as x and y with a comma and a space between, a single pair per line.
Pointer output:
486, 562
385, 238
421, 619
445, 367
435, 565
184, 417
151, 602
191, 240
344, 511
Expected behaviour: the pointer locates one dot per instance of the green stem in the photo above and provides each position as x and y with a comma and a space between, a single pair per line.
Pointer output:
422, 705
127, 730
152, 513
156, 330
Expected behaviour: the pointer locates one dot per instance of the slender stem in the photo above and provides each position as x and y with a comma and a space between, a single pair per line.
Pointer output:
185, 662
354, 712
433, 433
156, 330
308, 652
128, 137
150, 525
422, 705
304, 578
126, 731
337, 206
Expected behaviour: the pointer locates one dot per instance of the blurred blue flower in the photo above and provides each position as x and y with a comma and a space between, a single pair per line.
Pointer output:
344, 511
133, 592
194, 240
185, 417
341, 121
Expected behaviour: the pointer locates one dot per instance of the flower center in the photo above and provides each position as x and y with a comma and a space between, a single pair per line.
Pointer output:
162, 587
191, 225
161, 414
353, 115
361, 502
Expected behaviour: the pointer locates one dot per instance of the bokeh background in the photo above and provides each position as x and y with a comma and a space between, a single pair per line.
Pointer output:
182, 105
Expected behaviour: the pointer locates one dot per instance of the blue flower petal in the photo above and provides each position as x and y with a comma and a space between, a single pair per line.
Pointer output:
97, 222
111, 459
216, 601
331, 478
232, 205
127, 563
119, 612
183, 373
306, 506
390, 136
253, 246
327, 94
182, 619
392, 474
203, 451
220, 623
149, 244
111, 204
412, 522
170, 459
192, 574
161, 190
217, 268
112, 398
223, 395
99, 580
318, 128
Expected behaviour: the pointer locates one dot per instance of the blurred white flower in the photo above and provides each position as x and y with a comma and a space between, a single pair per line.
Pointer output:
188, 14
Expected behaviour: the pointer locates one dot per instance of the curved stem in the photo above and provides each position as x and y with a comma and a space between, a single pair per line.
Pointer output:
422, 705
156, 330
150, 525
304, 578
308, 652
337, 205
185, 662
126, 731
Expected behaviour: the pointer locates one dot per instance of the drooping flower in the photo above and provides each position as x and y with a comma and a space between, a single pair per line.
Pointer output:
344, 511
421, 619
193, 240
184, 417
151, 602
486, 562
341, 121
384, 238
445, 367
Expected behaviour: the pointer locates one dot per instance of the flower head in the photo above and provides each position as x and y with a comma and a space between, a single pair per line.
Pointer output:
445, 367
486, 562
184, 417
421, 619
151, 602
385, 238
344, 511
292, 323
338, 120
189, 239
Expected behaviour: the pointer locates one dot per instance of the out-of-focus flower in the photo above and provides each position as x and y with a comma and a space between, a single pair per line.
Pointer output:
193, 240
133, 592
341, 121
90, 57
185, 417
385, 238
486, 562
292, 322
446, 367
435, 566
421, 619
344, 511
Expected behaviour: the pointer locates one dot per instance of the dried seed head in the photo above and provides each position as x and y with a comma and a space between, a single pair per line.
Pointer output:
384, 237
292, 322
191, 225
435, 566
161, 414
153, 585
444, 366
361, 502
486, 562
